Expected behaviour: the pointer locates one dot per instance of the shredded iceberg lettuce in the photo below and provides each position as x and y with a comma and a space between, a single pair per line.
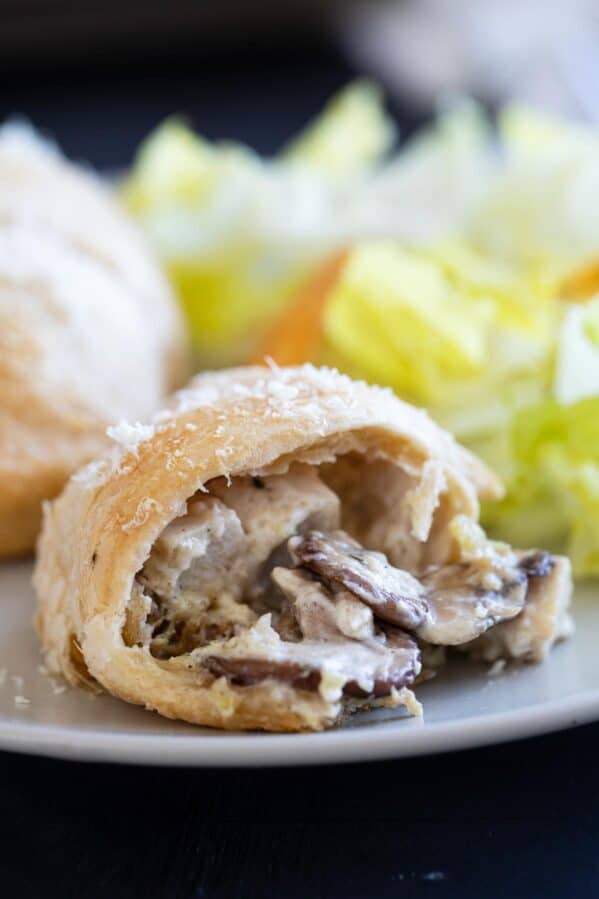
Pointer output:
440, 323
541, 208
499, 359
469, 280
496, 330
237, 232
350, 136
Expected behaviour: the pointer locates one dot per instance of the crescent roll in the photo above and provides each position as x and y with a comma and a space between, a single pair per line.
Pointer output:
89, 330
280, 548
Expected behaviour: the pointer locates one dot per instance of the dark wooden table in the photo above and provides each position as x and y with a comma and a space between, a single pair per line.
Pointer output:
519, 820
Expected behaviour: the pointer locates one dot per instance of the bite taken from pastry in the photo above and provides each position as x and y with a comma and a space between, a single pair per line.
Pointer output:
281, 548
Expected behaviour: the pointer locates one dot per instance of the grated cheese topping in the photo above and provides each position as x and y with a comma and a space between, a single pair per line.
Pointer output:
130, 436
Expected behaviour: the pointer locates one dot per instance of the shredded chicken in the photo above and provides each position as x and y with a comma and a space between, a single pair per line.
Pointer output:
270, 510
223, 549
202, 551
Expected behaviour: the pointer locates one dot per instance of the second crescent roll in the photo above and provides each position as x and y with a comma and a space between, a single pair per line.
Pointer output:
278, 549
89, 329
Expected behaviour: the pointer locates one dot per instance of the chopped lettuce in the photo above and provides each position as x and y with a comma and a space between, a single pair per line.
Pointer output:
351, 135
541, 208
429, 189
440, 324
577, 362
496, 328
470, 282
497, 356
237, 232
552, 476
399, 319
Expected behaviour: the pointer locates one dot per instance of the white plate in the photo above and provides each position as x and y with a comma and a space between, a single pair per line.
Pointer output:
464, 707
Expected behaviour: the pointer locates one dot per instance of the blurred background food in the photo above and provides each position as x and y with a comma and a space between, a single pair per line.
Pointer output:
90, 332
317, 187
237, 232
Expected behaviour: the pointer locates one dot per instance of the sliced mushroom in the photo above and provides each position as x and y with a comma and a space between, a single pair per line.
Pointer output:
246, 672
359, 671
447, 606
394, 595
461, 606
468, 599
536, 563
320, 614
544, 619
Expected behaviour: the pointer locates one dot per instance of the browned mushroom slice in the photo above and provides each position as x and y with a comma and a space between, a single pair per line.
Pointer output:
246, 672
462, 605
544, 619
405, 663
447, 606
536, 563
394, 595
377, 671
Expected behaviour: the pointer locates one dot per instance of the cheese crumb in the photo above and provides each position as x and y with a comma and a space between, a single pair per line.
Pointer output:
94, 474
282, 391
130, 436
331, 685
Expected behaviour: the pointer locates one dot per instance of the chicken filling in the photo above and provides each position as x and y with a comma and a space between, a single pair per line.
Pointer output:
260, 582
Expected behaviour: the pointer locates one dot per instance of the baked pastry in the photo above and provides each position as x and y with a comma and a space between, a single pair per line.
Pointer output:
89, 330
279, 548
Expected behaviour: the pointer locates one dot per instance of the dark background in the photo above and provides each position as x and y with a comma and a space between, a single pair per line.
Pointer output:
510, 821
519, 820
255, 72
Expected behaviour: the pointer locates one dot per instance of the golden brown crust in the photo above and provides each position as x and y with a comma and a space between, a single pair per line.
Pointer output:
100, 531
89, 331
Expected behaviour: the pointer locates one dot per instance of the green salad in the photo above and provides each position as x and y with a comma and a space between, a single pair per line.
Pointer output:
237, 232
470, 280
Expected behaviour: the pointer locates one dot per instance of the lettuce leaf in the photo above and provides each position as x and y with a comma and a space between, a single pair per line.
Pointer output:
471, 282
351, 135
431, 187
541, 208
497, 358
237, 232
552, 476
442, 325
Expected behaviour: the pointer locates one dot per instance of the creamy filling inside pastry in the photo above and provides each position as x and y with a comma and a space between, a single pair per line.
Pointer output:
317, 579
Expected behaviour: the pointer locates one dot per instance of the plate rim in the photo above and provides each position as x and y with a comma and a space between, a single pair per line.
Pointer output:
336, 746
